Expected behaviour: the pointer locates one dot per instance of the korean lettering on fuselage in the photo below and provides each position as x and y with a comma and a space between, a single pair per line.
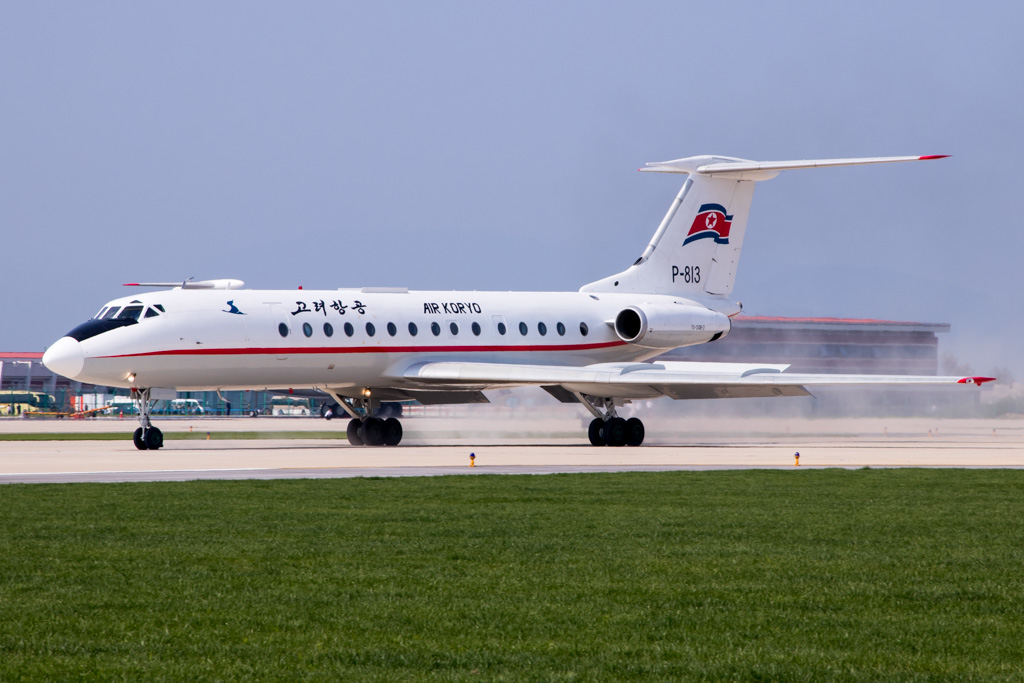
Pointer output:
321, 307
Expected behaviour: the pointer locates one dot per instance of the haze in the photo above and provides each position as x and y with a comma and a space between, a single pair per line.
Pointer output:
482, 146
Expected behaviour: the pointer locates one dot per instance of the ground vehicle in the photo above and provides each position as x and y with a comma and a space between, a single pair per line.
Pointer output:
185, 406
289, 405
18, 402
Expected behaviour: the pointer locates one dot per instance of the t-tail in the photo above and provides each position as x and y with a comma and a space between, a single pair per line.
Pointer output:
695, 251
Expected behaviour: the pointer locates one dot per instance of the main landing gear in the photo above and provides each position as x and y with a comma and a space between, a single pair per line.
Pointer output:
607, 428
365, 429
146, 437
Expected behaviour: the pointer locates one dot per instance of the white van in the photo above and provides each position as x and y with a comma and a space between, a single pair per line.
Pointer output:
186, 406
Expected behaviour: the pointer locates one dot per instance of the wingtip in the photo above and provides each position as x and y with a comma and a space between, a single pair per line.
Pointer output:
934, 156
975, 380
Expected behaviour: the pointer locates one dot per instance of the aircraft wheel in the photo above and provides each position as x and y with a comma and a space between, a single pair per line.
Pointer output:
634, 431
372, 431
353, 432
140, 442
615, 430
392, 431
596, 432
154, 438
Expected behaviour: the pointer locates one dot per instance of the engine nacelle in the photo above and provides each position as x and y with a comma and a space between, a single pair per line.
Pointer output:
668, 326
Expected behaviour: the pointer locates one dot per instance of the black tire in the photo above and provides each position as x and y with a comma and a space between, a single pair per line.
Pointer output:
634, 431
154, 439
596, 432
392, 432
372, 431
140, 443
353, 432
253, 413
615, 430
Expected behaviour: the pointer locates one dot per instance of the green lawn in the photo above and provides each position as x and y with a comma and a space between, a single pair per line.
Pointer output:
746, 575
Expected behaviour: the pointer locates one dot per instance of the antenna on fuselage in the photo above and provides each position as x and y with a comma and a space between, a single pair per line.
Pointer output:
191, 283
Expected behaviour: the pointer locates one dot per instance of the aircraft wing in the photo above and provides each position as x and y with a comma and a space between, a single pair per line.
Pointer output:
676, 379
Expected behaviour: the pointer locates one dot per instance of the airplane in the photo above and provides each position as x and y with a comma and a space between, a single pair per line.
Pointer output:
370, 345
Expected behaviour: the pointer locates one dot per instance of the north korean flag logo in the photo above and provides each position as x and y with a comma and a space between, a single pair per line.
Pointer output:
711, 221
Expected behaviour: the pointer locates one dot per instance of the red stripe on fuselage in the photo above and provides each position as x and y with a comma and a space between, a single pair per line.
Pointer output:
299, 350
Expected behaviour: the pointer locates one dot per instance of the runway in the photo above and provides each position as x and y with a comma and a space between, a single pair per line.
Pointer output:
433, 448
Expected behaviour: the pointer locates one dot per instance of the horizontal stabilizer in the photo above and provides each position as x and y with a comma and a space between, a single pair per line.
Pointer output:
744, 169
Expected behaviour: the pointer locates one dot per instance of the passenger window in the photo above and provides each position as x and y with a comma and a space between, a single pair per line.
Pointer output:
476, 329
454, 328
392, 330
349, 330
307, 329
522, 329
561, 329
412, 329
130, 313
328, 330
151, 313
435, 328
542, 328
501, 329
282, 330
370, 330
584, 329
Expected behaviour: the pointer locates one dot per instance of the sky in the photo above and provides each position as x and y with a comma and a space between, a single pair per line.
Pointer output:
454, 145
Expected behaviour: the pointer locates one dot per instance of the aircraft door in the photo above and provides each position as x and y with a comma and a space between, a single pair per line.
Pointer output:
499, 324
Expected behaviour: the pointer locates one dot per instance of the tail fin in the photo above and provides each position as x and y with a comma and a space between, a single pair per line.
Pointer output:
695, 250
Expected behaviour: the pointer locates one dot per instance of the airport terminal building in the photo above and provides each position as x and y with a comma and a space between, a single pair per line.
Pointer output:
826, 345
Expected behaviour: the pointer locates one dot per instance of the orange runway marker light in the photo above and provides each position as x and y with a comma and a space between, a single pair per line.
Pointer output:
796, 457
472, 459
207, 436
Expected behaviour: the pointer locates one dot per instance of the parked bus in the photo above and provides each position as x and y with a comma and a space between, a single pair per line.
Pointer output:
18, 402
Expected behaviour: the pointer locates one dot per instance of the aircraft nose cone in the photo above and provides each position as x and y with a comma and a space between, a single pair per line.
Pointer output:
65, 357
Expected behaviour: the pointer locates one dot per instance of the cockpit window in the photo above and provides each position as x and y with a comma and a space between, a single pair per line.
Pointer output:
111, 312
159, 307
151, 313
130, 313
100, 314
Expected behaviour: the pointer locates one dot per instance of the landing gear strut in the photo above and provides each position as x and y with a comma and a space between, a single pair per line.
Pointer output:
366, 430
607, 428
146, 437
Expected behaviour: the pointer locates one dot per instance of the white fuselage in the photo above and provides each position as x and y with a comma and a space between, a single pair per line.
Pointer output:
357, 338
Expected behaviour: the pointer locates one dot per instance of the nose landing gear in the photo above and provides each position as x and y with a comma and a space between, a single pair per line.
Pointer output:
146, 437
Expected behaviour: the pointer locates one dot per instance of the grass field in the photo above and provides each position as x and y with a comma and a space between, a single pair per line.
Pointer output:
746, 575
